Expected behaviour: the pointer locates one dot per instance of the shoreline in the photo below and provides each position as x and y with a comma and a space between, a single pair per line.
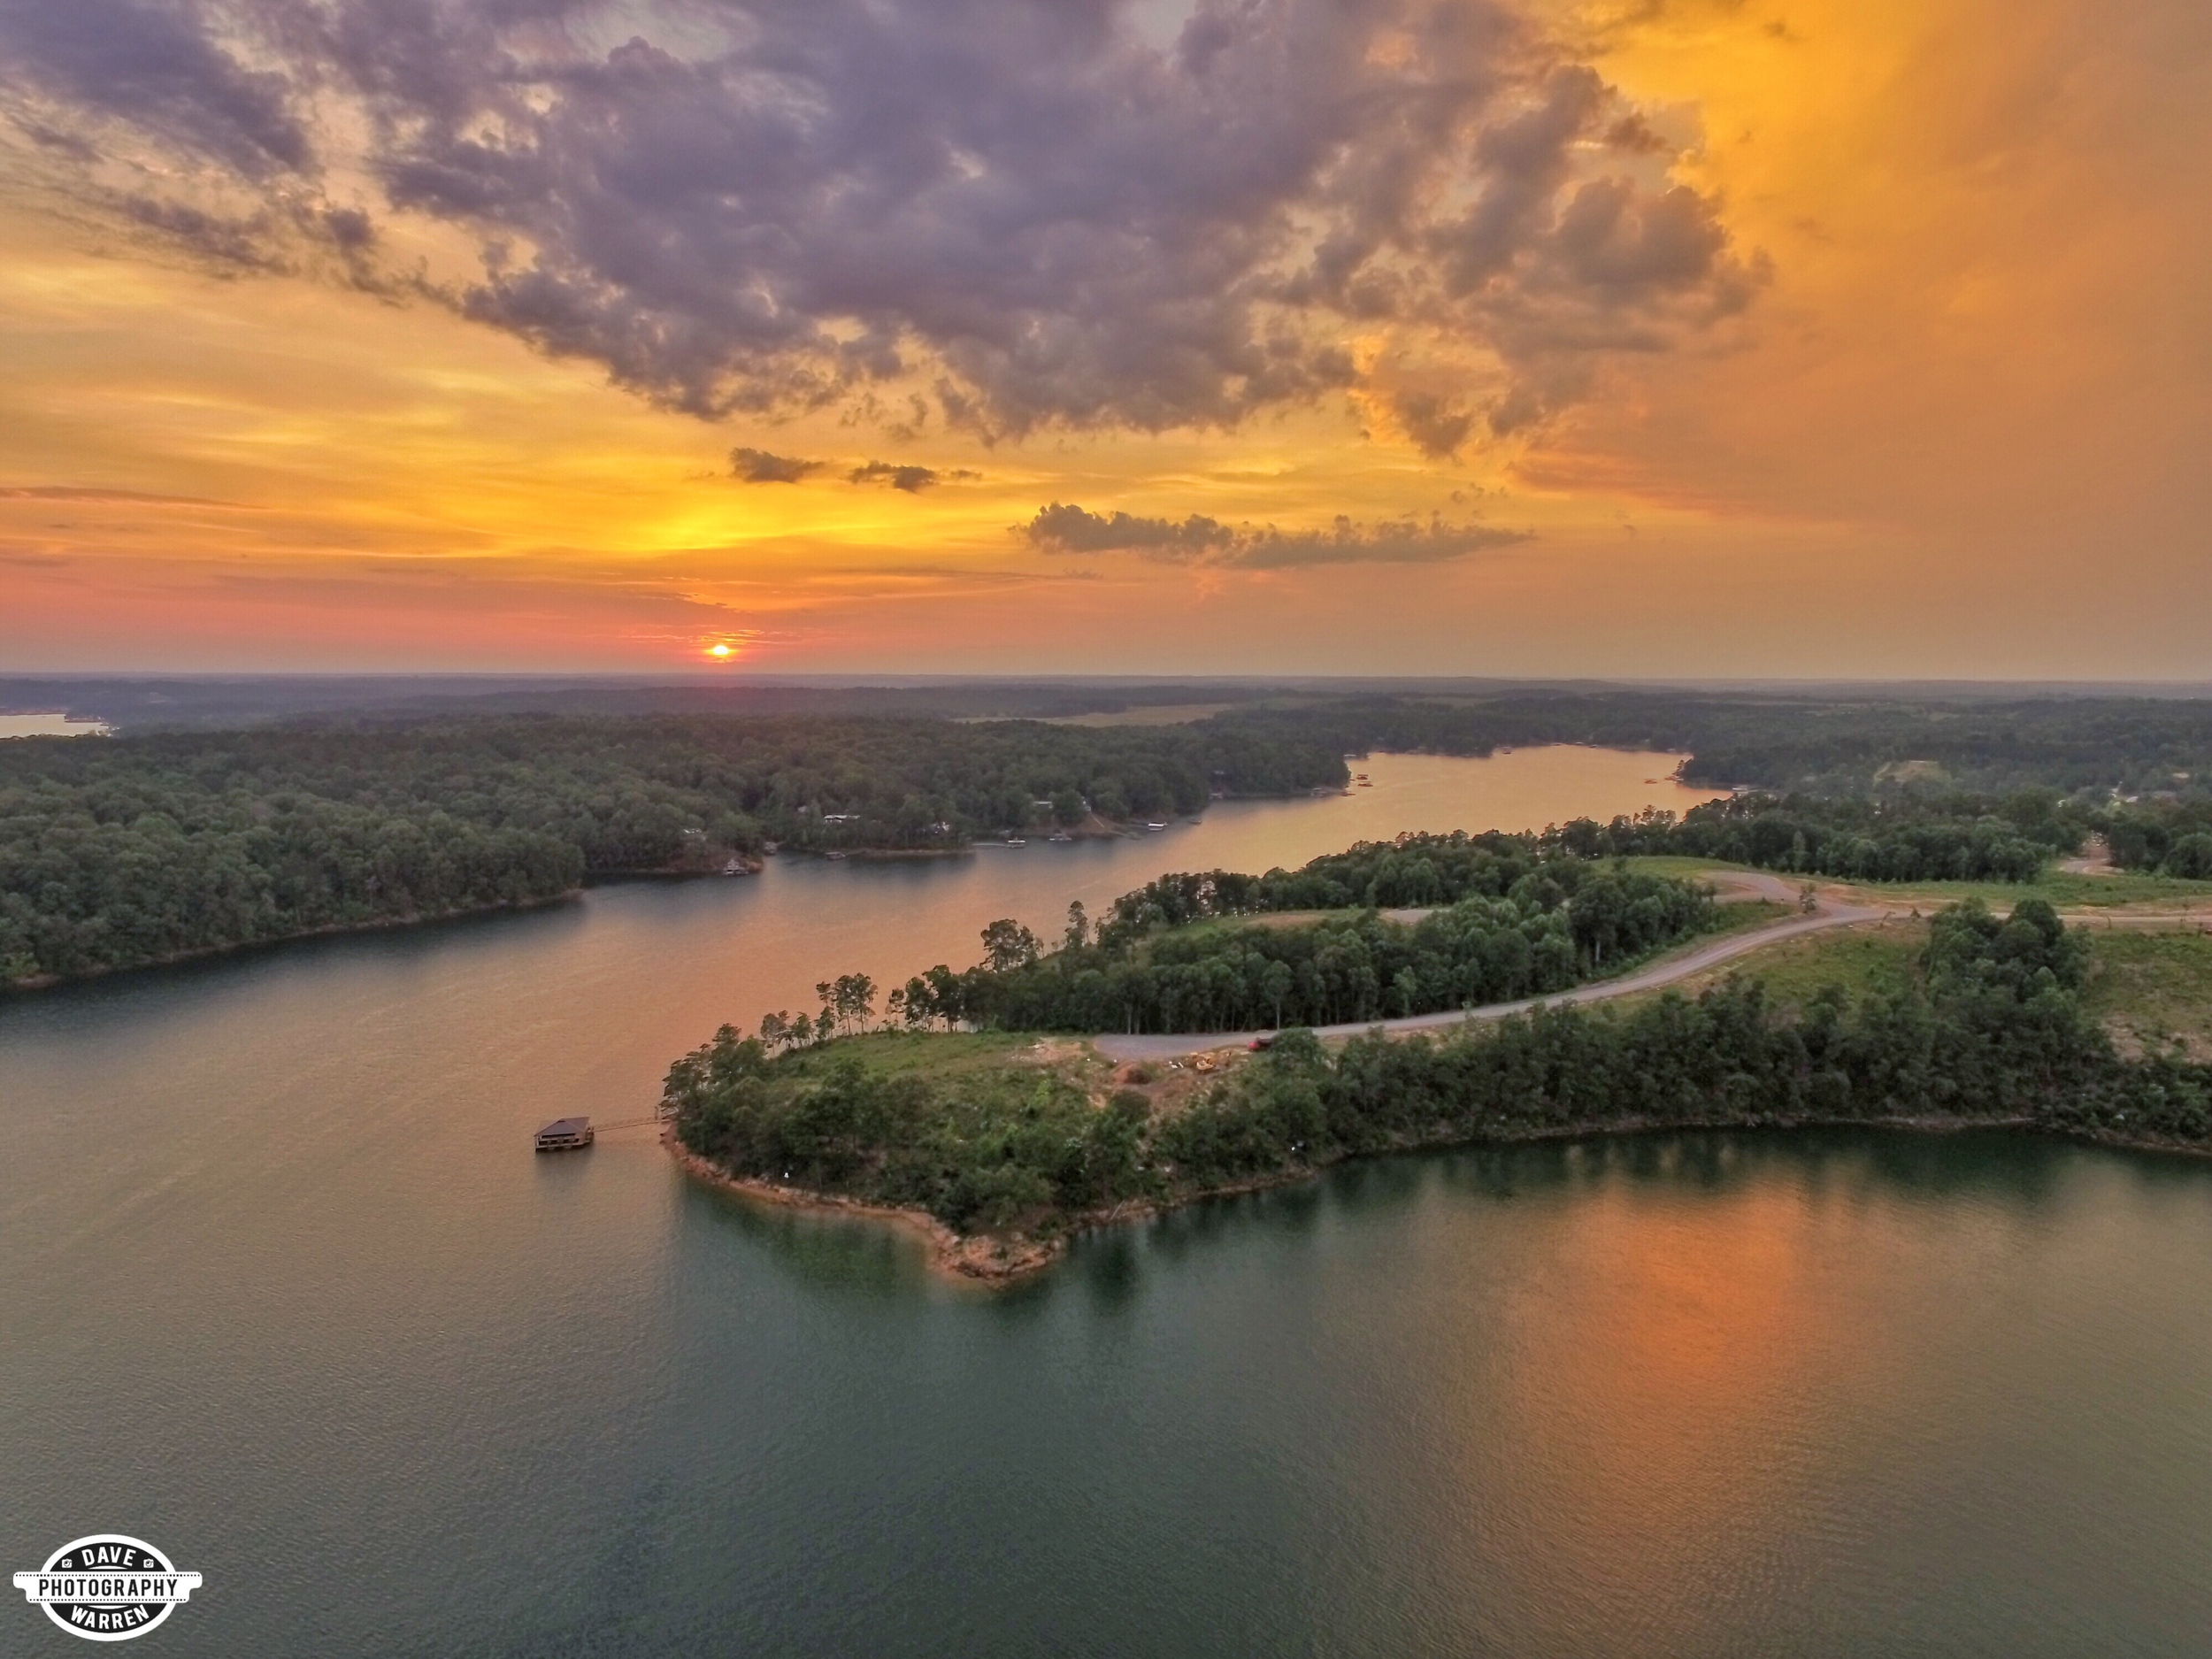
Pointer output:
996, 1262
333, 930
976, 1258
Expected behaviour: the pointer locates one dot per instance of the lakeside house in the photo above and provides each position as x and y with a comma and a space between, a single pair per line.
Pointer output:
565, 1134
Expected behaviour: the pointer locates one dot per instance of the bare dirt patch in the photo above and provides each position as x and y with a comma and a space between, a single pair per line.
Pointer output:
2095, 860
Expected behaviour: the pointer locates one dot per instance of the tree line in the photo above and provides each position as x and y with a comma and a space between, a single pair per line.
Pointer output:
2173, 837
1561, 922
1991, 1030
1932, 836
1950, 838
1838, 742
1945, 837
1827, 744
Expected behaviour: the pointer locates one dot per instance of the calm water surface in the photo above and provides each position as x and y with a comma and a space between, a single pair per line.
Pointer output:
284, 1291
50, 724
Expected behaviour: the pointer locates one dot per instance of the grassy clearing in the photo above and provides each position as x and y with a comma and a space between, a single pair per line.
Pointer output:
967, 1056
1862, 960
2066, 890
1740, 916
1208, 926
2150, 989
1735, 915
1684, 869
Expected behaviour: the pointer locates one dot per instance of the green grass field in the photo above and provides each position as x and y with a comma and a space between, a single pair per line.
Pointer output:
2149, 988
1863, 961
969, 1054
1669, 865
1737, 916
2064, 890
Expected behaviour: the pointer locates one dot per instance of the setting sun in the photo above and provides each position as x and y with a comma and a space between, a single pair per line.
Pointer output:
718, 650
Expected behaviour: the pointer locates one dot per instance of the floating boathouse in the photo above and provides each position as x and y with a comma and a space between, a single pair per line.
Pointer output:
565, 1134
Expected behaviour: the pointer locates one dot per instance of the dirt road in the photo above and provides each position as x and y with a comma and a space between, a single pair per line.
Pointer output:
1829, 912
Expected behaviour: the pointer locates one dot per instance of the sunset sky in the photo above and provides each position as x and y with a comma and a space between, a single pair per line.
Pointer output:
1634, 337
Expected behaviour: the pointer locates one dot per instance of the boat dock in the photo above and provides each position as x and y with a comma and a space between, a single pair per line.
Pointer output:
574, 1134
565, 1134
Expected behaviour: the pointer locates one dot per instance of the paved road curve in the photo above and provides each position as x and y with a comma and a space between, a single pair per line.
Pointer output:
1746, 883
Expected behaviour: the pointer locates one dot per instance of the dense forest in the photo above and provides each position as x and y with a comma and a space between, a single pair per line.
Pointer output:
1991, 1031
1841, 741
141, 848
1921, 836
2174, 837
1917, 835
123, 851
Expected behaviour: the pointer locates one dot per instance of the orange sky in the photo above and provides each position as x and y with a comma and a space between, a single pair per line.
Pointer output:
1954, 427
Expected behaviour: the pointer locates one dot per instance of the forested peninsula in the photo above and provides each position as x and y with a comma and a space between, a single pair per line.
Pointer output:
1002, 1145
1524, 925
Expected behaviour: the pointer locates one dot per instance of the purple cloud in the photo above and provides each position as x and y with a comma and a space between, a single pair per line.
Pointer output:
767, 205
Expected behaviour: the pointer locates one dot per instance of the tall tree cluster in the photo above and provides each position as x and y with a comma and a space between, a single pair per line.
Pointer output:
1562, 922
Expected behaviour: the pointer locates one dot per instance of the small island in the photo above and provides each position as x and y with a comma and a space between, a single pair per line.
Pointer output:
1012, 1126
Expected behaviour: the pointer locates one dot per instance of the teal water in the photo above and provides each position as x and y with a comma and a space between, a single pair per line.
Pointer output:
283, 1292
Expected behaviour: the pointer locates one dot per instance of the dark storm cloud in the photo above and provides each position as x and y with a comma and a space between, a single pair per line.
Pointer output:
758, 466
772, 204
1068, 528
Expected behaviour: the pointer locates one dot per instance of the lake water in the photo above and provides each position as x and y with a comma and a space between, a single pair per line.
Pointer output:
283, 1291
50, 724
